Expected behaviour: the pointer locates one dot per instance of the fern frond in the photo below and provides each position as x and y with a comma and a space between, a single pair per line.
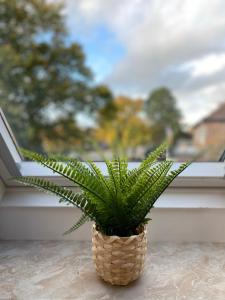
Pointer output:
147, 181
154, 192
123, 170
115, 206
65, 194
77, 173
134, 174
97, 172
84, 218
113, 178
153, 156
94, 170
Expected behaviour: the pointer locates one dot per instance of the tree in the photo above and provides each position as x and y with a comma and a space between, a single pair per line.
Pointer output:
163, 115
121, 126
44, 81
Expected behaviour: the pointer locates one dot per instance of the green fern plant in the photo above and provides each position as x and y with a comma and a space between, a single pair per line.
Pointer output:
118, 203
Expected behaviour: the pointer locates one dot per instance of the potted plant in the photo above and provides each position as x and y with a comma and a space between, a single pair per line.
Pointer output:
117, 204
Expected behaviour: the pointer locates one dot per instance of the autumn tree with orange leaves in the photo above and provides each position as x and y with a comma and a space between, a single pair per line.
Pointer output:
122, 127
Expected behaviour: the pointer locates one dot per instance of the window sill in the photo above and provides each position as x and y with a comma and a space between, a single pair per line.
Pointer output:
172, 198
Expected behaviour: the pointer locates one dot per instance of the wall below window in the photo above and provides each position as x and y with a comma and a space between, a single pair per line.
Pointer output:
180, 215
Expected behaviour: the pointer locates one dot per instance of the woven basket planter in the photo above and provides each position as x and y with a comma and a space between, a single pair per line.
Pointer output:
119, 260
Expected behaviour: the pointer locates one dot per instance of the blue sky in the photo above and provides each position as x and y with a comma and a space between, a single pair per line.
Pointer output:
102, 50
101, 45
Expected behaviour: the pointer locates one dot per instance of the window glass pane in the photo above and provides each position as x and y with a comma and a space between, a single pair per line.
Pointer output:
93, 77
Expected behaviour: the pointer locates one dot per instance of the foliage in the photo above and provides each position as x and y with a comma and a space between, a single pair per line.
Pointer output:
121, 126
44, 80
118, 203
163, 114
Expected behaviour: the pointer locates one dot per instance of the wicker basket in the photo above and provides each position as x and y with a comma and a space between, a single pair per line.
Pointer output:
119, 260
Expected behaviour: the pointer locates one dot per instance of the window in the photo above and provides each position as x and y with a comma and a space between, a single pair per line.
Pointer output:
199, 174
89, 78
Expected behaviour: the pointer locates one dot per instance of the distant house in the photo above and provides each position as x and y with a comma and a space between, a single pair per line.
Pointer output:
209, 134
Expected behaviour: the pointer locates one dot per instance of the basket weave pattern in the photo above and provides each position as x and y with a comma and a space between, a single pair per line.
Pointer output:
119, 260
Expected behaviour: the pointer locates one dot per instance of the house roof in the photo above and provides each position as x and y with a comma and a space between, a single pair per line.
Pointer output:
216, 116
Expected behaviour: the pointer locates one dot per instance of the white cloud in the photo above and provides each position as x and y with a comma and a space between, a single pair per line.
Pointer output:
176, 43
207, 65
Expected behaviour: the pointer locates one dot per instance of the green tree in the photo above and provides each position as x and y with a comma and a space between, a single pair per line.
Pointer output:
163, 115
44, 81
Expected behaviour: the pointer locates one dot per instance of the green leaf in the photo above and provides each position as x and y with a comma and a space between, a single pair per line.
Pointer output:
79, 223
74, 171
65, 194
147, 181
147, 163
153, 192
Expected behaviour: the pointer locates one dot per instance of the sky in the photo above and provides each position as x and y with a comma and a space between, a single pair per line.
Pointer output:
135, 46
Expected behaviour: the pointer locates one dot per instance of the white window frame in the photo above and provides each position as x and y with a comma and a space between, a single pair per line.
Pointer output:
199, 174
